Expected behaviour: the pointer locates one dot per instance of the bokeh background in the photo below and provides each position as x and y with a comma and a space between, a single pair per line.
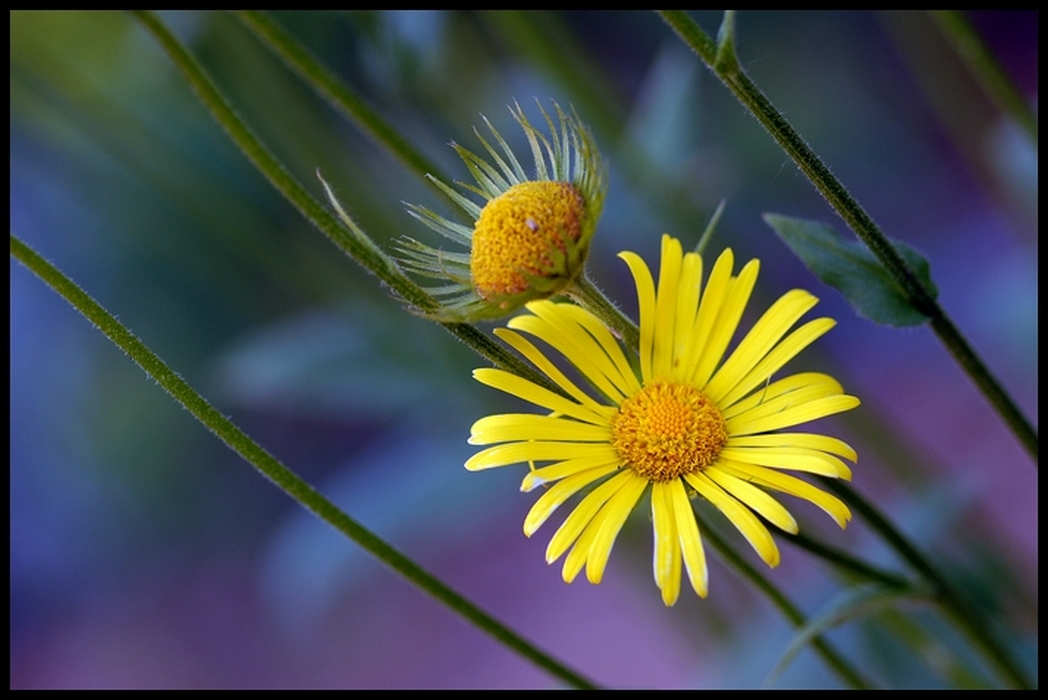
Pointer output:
146, 554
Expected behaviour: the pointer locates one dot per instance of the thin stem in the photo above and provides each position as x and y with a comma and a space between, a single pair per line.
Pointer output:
732, 75
845, 562
340, 95
792, 613
967, 619
354, 242
964, 615
587, 295
987, 71
273, 469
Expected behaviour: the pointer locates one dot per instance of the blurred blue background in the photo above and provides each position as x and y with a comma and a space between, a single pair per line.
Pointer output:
146, 554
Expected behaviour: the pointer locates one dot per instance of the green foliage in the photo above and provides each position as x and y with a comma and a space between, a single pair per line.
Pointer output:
850, 267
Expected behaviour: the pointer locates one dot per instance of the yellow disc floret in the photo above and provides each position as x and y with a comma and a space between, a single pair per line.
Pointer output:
667, 430
525, 231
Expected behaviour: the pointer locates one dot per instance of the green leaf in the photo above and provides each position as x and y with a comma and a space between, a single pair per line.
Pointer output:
726, 61
858, 602
853, 269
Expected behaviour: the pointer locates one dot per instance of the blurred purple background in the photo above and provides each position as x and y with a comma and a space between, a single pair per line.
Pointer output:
146, 554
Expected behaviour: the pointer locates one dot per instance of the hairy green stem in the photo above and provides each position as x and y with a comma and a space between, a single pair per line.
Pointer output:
340, 95
274, 470
352, 241
722, 61
586, 294
974, 626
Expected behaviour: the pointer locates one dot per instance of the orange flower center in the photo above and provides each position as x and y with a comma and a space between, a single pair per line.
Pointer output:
667, 430
524, 231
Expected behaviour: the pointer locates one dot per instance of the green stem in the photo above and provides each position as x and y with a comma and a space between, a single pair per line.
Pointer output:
351, 239
588, 296
340, 95
964, 615
274, 470
845, 562
792, 613
726, 67
967, 619
987, 71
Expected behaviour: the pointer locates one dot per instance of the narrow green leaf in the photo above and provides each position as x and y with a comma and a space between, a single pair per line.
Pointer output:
854, 270
858, 602
727, 61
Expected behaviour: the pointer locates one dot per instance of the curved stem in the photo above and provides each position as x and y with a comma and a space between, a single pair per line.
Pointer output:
725, 66
270, 467
792, 613
844, 561
340, 95
587, 295
351, 239
965, 616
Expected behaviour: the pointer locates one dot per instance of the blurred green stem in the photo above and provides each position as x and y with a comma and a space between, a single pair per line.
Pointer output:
963, 614
341, 96
967, 618
987, 71
350, 238
792, 613
586, 293
721, 59
273, 469
845, 562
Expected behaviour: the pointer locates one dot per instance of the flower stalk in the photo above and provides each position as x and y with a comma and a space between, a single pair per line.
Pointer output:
350, 238
720, 58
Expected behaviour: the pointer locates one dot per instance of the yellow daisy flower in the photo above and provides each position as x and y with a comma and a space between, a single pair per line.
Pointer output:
680, 418
530, 238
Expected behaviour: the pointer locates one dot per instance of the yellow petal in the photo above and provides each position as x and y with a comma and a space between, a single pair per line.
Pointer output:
739, 515
646, 305
533, 451
610, 520
584, 512
796, 388
792, 415
666, 307
697, 365
528, 426
777, 358
769, 478
768, 330
523, 389
543, 364
812, 441
687, 313
570, 340
625, 378
576, 558
560, 492
754, 498
793, 458
569, 467
666, 560
736, 297
690, 541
